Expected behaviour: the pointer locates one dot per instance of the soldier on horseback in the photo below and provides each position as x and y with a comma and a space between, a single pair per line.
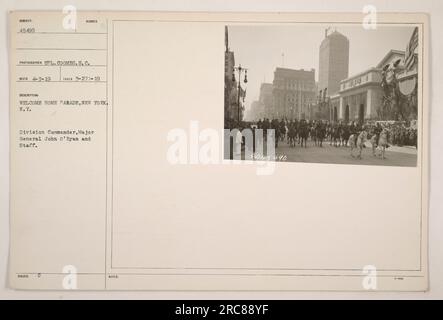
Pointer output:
345, 134
320, 132
303, 132
275, 124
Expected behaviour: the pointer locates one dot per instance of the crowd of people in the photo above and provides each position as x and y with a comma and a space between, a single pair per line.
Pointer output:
402, 134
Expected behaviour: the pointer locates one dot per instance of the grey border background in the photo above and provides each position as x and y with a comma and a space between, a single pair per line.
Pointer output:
433, 7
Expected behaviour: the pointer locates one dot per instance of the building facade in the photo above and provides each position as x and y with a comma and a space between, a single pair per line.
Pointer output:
230, 86
233, 108
256, 111
360, 96
293, 92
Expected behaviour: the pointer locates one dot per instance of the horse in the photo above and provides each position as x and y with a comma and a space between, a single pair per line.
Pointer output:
319, 134
383, 142
329, 132
344, 136
286, 133
303, 134
357, 142
335, 135
311, 134
283, 131
374, 144
292, 133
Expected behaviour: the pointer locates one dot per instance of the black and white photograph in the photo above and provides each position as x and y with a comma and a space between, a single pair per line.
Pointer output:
339, 94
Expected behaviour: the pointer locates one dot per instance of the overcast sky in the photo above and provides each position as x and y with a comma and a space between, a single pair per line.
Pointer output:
260, 48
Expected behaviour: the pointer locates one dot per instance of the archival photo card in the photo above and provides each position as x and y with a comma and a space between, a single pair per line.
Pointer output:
218, 151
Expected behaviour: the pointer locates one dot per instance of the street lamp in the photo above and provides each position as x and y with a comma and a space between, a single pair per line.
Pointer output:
240, 70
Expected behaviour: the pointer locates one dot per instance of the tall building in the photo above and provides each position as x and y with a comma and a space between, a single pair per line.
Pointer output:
232, 111
256, 111
293, 92
333, 63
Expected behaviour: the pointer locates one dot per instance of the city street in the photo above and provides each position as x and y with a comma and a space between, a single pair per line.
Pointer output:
333, 100
395, 156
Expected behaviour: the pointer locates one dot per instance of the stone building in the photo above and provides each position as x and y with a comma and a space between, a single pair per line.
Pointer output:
360, 96
293, 92
232, 110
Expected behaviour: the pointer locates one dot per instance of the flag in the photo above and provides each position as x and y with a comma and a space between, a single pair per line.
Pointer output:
410, 49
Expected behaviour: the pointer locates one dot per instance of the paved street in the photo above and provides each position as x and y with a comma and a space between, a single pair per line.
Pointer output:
395, 156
